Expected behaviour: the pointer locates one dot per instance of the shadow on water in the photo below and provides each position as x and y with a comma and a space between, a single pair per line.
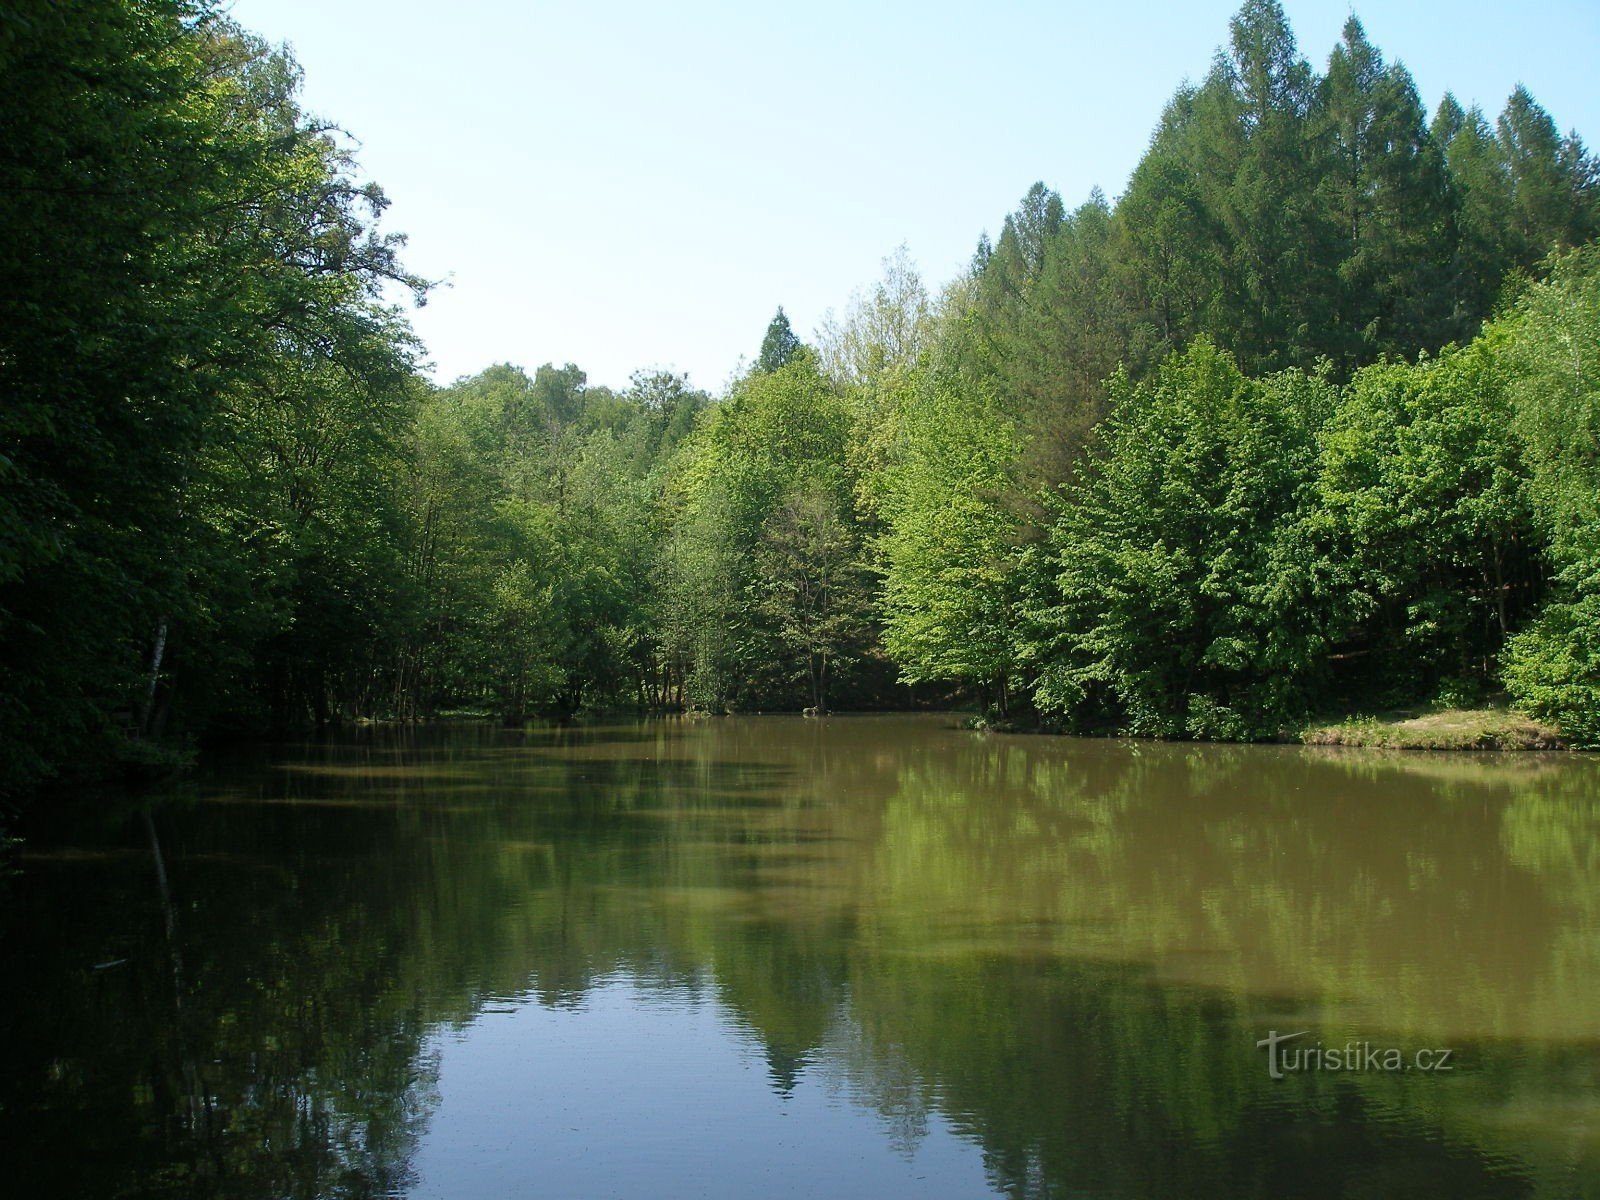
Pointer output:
1054, 958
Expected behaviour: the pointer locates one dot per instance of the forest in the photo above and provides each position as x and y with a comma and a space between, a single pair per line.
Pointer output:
1304, 422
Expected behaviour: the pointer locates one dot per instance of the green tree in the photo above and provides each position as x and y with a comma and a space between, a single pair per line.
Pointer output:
949, 552
1480, 198
811, 584
1003, 281
184, 245
451, 490
701, 575
1384, 189
106, 166
778, 345
1518, 191
1181, 601
778, 433
1424, 528
1553, 183
1256, 109
1176, 246
883, 332
1551, 342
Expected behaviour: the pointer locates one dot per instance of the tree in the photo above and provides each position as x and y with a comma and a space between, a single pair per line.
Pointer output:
883, 332
181, 239
1554, 184
311, 387
1058, 383
1176, 593
1423, 528
780, 434
451, 489
1383, 187
1255, 110
101, 188
1480, 199
811, 585
534, 554
1551, 341
778, 346
670, 408
948, 553
1518, 191
1175, 241
1002, 282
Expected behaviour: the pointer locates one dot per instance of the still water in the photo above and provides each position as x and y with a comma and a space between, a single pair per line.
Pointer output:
863, 956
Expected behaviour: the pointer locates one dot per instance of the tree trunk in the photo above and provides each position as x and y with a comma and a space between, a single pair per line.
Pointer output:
156, 655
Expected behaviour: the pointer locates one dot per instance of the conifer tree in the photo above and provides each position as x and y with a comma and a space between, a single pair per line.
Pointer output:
778, 346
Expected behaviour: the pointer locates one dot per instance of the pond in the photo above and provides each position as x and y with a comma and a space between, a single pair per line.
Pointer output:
863, 956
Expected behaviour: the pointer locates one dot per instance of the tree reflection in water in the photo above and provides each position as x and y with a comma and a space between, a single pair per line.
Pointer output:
1058, 953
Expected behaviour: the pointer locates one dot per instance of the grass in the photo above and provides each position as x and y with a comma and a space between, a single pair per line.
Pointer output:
1489, 728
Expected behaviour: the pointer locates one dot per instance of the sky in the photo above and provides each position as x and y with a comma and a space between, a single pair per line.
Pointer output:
632, 185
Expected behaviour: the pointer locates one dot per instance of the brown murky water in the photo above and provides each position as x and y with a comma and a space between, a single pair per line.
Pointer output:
864, 956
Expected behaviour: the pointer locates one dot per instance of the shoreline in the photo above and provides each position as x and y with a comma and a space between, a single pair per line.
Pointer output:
1450, 729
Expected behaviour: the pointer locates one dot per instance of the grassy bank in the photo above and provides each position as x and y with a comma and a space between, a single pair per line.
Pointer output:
1491, 728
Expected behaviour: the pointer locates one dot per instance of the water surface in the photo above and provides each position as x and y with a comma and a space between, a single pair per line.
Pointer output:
864, 956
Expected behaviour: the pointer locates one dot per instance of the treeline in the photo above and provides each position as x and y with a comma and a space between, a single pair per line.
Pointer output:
1233, 452
202, 372
1201, 462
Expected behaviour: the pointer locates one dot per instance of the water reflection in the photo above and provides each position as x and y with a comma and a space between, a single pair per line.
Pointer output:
857, 956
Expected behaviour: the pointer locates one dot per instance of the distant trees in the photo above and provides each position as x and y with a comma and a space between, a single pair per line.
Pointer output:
1198, 462
1233, 546
812, 586
1242, 552
533, 527
778, 346
760, 575
1384, 190
884, 331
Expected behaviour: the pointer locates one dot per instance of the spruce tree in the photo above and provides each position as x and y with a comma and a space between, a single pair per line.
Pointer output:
778, 346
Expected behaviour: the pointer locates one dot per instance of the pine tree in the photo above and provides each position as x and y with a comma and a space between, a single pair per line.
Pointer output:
1552, 182
1383, 192
778, 346
1279, 269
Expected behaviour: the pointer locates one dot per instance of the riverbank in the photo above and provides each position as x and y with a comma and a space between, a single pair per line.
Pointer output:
1490, 728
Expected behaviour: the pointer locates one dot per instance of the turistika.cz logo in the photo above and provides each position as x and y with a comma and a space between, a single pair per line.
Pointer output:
1284, 1059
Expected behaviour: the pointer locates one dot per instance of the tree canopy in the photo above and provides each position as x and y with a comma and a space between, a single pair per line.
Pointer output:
1304, 420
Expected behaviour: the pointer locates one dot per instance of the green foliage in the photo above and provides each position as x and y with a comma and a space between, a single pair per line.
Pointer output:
1552, 668
531, 526
1052, 271
450, 490
1423, 525
1552, 343
702, 574
811, 584
1383, 186
756, 570
884, 332
1184, 599
191, 312
94, 186
227, 501
949, 553
778, 346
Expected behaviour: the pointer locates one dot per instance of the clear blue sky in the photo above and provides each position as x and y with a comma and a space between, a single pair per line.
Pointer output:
625, 185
